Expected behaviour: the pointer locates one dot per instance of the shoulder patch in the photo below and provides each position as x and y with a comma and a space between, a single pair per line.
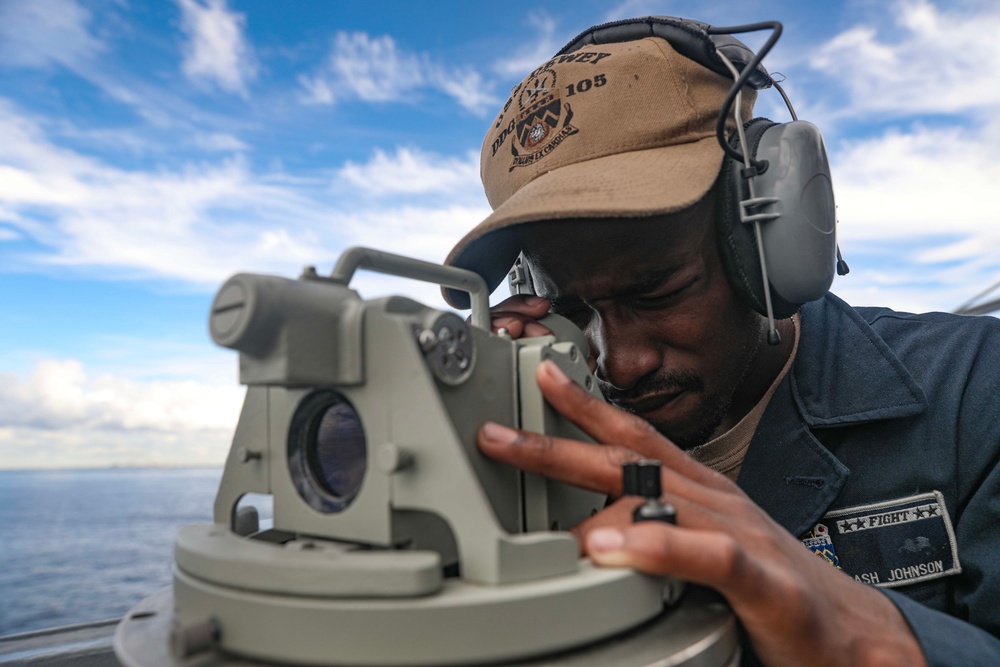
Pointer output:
892, 543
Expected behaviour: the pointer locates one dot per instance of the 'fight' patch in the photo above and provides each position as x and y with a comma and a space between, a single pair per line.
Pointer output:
892, 543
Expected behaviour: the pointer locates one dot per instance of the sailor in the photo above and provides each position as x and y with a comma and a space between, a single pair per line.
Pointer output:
839, 488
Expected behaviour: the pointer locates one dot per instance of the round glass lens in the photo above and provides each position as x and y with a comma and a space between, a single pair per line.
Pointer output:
338, 454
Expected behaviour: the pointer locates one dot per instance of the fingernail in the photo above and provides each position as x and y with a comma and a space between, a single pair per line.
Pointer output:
534, 300
496, 433
603, 540
553, 371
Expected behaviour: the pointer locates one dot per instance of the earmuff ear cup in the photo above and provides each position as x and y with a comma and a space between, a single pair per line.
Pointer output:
736, 240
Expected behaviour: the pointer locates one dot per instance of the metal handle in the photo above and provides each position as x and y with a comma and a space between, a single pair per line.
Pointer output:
406, 267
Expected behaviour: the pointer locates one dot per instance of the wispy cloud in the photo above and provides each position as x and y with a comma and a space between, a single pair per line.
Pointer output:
200, 223
414, 203
915, 199
61, 35
895, 185
216, 51
632, 8
933, 61
316, 89
914, 205
412, 171
375, 69
537, 51
424, 232
179, 224
46, 32
219, 141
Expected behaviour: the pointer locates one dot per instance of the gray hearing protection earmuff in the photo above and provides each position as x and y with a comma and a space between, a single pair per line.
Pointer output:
776, 216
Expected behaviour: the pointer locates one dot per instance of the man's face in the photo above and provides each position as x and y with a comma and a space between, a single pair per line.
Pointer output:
669, 339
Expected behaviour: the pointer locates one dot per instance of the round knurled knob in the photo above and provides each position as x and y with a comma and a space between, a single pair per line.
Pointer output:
641, 478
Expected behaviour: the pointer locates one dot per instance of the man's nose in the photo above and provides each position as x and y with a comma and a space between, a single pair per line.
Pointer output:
621, 355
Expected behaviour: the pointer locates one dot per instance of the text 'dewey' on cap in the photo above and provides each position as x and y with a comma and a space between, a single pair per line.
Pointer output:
608, 131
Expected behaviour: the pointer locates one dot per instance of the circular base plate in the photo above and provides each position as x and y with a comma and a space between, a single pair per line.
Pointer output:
698, 631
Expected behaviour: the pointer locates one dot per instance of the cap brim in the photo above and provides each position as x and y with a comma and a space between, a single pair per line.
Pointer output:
625, 185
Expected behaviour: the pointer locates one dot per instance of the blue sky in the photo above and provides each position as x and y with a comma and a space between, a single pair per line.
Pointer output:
151, 148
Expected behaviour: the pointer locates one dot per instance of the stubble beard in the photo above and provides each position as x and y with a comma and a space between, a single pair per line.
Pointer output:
717, 402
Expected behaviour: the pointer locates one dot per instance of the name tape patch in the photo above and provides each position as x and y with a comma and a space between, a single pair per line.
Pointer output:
892, 543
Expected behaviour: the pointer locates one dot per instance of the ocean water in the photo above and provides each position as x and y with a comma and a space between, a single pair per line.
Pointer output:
87, 545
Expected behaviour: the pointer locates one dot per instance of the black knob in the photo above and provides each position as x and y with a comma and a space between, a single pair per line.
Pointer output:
642, 478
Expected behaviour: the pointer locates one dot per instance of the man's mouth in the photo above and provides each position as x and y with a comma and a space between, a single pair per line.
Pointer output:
648, 404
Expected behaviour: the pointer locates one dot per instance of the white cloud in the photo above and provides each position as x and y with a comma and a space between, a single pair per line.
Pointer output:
411, 171
914, 199
632, 8
194, 224
375, 69
905, 287
33, 449
927, 181
60, 34
43, 32
456, 203
206, 221
936, 61
423, 232
8, 234
540, 48
59, 394
918, 207
466, 87
219, 141
216, 50
133, 401
317, 90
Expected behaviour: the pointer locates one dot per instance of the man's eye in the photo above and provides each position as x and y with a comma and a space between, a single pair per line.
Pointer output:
656, 300
578, 315
662, 300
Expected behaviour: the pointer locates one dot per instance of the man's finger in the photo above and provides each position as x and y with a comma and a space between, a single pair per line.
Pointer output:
607, 424
525, 304
518, 315
513, 324
593, 467
690, 514
709, 558
533, 329
618, 515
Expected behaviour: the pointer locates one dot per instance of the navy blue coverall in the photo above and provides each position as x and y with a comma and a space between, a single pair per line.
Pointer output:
886, 433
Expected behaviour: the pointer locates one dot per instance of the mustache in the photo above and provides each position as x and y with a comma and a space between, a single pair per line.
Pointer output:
661, 383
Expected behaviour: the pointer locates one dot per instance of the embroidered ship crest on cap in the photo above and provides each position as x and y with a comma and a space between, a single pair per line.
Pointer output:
541, 109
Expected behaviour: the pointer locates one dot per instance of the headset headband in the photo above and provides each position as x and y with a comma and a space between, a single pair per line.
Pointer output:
691, 39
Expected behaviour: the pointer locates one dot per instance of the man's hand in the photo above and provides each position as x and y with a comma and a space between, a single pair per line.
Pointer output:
796, 608
519, 315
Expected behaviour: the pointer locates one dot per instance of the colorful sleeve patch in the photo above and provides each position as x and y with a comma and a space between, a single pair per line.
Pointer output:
818, 541
889, 544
